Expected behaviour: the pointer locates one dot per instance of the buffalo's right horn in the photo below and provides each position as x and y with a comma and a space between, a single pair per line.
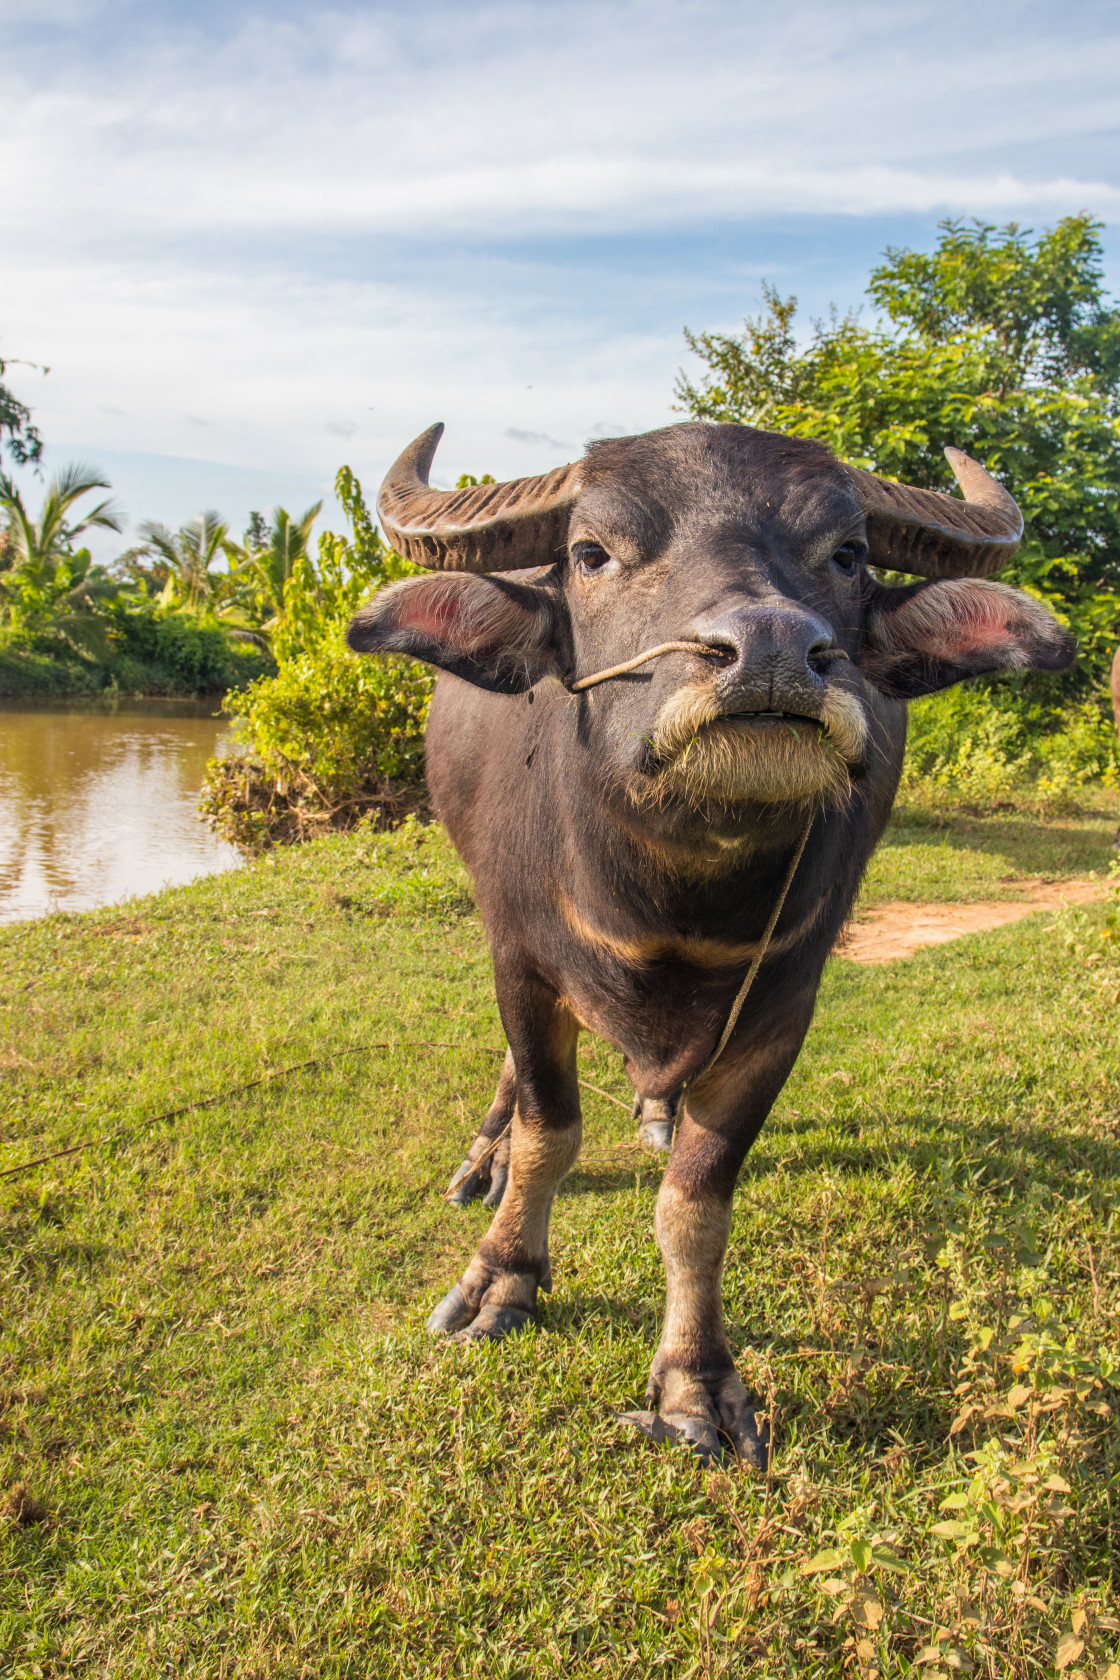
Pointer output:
486, 528
937, 535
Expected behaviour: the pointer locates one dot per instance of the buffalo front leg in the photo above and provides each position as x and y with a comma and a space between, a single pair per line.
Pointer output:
497, 1293
693, 1380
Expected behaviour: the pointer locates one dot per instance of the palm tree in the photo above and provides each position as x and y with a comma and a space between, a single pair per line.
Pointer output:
270, 567
45, 584
186, 555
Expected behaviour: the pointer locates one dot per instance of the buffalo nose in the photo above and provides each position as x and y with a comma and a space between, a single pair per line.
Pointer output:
757, 640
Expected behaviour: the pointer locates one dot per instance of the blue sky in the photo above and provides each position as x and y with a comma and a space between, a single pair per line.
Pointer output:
253, 242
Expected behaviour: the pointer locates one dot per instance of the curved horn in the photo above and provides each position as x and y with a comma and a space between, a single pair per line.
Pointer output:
487, 528
933, 534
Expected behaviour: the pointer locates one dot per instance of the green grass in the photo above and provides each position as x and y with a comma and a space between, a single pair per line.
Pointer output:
239, 1455
931, 859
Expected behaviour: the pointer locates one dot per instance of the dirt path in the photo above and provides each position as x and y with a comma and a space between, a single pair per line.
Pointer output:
899, 929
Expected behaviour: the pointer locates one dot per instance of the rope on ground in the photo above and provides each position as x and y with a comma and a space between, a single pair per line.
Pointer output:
627, 1108
268, 1079
237, 1091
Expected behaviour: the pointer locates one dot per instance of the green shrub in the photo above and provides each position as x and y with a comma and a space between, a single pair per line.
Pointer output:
336, 721
176, 652
982, 746
332, 737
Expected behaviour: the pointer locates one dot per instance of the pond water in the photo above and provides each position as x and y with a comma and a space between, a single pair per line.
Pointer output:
98, 804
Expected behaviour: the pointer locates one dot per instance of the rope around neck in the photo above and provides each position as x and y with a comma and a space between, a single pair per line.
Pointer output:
469, 1166
759, 956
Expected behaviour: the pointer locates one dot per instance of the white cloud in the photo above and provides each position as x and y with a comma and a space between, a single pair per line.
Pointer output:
480, 119
280, 232
522, 434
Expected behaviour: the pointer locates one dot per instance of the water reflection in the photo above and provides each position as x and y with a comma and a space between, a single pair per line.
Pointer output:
96, 805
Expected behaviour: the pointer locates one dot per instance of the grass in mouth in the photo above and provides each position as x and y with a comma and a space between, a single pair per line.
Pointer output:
226, 1447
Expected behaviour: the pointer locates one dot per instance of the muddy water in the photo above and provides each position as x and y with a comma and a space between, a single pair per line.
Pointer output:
96, 805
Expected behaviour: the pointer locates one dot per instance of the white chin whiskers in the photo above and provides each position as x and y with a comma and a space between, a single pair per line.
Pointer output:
704, 753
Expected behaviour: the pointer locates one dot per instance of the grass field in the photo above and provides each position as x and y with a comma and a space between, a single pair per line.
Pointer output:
227, 1448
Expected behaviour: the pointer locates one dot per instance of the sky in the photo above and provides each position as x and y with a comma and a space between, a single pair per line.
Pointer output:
252, 242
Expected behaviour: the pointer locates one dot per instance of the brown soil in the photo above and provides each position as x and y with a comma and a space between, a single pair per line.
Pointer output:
899, 929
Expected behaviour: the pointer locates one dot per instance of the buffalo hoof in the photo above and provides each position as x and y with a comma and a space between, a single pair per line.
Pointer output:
692, 1432
493, 1324
750, 1445
469, 1183
657, 1135
702, 1413
455, 1317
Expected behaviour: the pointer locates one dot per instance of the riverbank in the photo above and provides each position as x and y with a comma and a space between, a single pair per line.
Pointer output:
229, 1448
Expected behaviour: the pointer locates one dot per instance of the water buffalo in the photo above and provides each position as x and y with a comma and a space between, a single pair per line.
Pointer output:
630, 841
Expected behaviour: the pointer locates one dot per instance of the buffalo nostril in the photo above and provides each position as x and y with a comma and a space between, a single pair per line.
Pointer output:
822, 653
720, 654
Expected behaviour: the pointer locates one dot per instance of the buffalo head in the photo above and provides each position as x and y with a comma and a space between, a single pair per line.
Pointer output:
752, 546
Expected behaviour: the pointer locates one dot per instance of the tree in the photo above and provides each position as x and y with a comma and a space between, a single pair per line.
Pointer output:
183, 557
997, 341
268, 557
256, 532
47, 587
23, 441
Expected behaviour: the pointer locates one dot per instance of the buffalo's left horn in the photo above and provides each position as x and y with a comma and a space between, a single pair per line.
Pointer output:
486, 528
933, 534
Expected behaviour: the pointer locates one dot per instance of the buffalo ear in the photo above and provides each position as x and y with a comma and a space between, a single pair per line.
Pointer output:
931, 635
495, 634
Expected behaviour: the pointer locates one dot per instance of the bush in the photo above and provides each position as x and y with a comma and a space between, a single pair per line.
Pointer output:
338, 721
332, 737
984, 746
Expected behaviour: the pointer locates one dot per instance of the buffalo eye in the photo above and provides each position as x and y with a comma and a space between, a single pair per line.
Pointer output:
849, 555
592, 556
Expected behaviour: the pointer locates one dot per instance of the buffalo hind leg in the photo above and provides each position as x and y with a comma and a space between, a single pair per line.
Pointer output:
486, 1168
497, 1293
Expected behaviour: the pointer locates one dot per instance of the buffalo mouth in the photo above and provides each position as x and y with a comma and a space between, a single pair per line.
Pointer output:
769, 720
702, 753
703, 748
